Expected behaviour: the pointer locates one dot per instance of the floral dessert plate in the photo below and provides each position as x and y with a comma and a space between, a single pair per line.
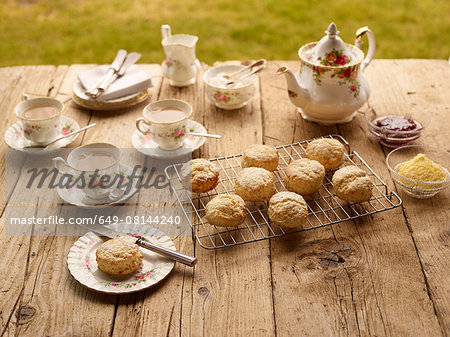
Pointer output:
15, 137
80, 98
82, 263
77, 197
145, 144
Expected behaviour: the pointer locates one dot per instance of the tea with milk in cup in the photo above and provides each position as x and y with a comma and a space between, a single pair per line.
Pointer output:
92, 160
167, 115
40, 112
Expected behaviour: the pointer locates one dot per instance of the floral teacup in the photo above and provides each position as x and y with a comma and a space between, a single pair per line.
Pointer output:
43, 129
169, 134
93, 168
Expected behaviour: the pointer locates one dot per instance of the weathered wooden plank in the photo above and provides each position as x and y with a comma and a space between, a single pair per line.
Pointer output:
157, 310
404, 281
61, 316
46, 256
423, 82
230, 294
351, 295
13, 267
36, 80
303, 282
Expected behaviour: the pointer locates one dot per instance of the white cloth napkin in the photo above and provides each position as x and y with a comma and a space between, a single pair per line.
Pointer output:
132, 82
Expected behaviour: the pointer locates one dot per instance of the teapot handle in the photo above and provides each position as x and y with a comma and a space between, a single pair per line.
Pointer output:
372, 45
165, 31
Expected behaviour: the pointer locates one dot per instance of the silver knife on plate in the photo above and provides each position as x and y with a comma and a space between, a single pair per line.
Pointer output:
113, 68
171, 254
129, 61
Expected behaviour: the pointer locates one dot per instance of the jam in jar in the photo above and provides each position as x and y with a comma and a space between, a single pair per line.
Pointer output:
394, 131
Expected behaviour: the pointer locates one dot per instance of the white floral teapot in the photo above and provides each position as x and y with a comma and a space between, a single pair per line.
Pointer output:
329, 86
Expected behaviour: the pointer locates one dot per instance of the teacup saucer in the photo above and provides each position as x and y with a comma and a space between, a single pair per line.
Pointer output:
15, 137
146, 145
78, 198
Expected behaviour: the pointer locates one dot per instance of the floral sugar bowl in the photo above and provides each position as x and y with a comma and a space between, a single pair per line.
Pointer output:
329, 86
224, 97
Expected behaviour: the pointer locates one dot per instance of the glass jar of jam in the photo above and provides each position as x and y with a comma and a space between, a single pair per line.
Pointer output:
396, 124
394, 131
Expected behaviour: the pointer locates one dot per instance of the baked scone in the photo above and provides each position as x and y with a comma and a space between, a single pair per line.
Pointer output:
352, 184
304, 176
119, 256
255, 184
328, 152
287, 209
199, 174
262, 156
226, 210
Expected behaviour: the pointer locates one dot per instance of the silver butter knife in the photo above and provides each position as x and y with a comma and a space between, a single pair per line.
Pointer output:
171, 254
113, 68
129, 61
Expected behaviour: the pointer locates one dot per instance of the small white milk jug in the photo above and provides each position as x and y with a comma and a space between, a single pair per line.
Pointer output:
180, 65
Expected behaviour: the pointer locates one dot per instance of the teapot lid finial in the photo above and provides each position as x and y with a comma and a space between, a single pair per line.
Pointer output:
332, 31
331, 50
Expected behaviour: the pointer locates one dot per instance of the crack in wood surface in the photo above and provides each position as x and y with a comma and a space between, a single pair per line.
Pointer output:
113, 321
272, 286
170, 321
425, 278
353, 301
340, 299
371, 280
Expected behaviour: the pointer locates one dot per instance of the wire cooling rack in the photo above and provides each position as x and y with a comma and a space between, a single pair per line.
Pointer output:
324, 207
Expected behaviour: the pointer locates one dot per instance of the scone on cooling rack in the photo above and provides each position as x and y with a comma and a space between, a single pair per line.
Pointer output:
255, 184
226, 210
328, 152
352, 184
287, 209
199, 174
304, 176
119, 256
262, 156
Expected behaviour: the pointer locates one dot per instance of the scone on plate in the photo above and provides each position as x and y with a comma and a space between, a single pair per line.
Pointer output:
226, 210
262, 156
287, 209
255, 184
352, 184
304, 176
119, 256
328, 152
199, 174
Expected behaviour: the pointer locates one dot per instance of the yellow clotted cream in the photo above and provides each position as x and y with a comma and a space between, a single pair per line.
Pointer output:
423, 169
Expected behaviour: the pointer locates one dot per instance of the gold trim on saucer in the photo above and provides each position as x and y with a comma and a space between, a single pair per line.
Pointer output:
114, 105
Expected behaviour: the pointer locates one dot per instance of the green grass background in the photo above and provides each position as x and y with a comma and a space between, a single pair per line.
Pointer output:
82, 31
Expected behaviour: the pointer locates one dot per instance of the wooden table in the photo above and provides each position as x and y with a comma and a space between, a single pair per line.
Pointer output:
392, 281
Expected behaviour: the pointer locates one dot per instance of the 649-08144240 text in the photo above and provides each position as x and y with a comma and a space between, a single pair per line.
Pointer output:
96, 219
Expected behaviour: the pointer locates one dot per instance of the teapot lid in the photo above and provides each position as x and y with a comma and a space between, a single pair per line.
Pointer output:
331, 50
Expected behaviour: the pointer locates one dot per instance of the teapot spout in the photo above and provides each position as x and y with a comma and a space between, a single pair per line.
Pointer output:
297, 94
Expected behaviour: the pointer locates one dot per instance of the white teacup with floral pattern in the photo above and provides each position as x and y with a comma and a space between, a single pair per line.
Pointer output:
93, 168
168, 135
40, 130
